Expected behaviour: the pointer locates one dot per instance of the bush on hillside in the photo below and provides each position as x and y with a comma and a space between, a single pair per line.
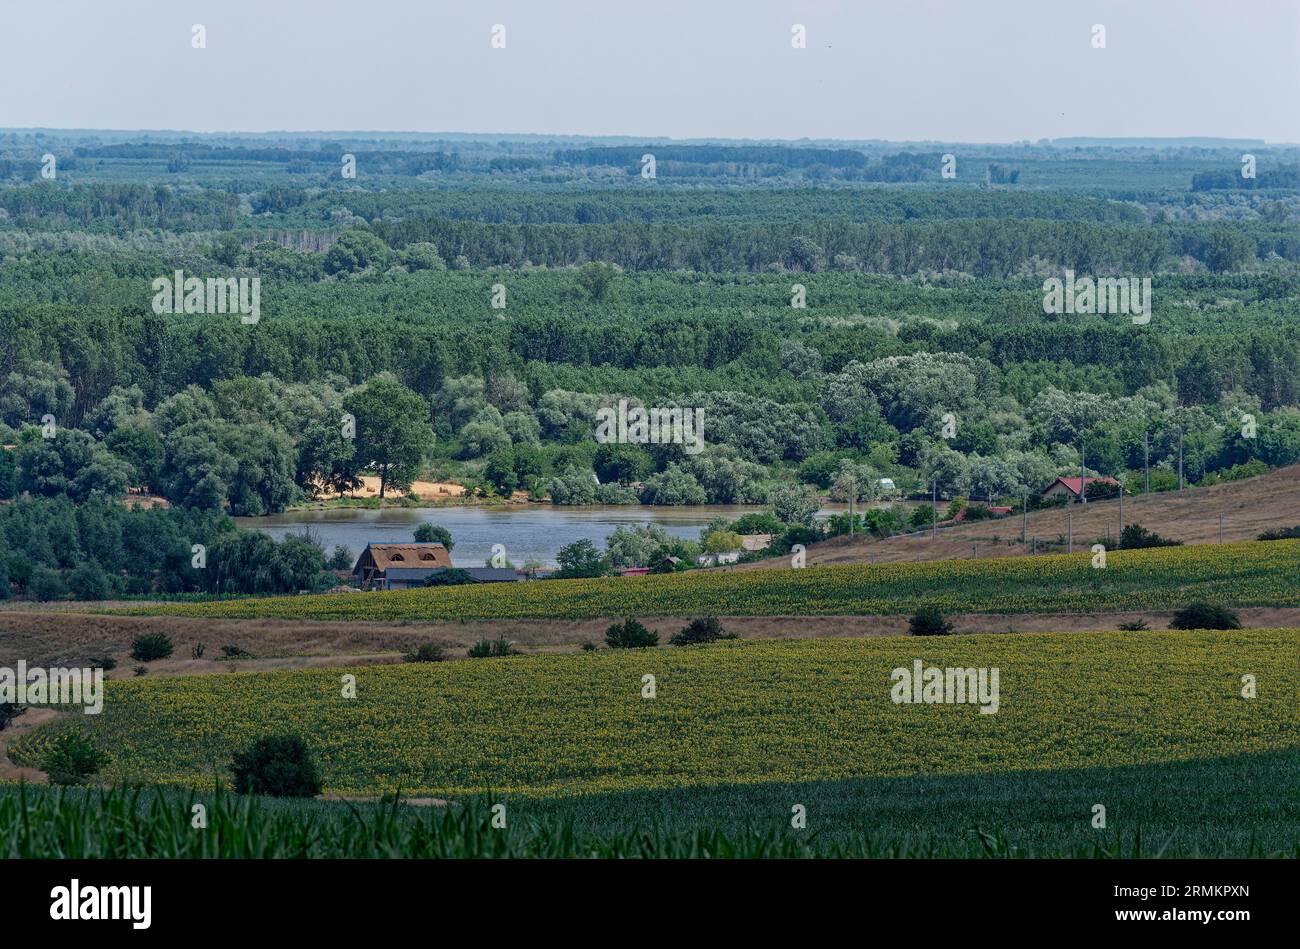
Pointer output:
491, 648
1205, 616
630, 634
427, 652
72, 759
928, 621
1135, 537
1281, 533
150, 646
706, 629
278, 765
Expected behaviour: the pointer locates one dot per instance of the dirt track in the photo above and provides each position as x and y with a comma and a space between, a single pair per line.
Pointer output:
60, 637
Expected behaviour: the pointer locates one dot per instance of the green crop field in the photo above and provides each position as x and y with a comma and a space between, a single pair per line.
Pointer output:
1240, 806
1151, 725
733, 713
1243, 574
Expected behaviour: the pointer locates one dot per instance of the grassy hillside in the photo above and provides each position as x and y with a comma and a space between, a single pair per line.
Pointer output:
1249, 507
1244, 574
737, 713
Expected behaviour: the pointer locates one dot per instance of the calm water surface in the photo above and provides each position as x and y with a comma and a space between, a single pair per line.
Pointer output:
527, 531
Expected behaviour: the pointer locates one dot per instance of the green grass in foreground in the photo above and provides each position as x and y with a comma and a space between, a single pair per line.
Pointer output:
1243, 574
1246, 806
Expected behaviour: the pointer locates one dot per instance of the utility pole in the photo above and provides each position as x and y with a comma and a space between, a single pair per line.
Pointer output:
1146, 462
1180, 458
972, 551
1083, 472
1035, 547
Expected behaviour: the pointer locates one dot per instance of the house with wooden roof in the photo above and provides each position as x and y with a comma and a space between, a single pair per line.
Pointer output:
371, 570
1073, 488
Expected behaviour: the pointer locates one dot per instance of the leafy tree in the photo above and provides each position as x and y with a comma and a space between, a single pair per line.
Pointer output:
792, 504
721, 542
89, 582
636, 547
393, 430
757, 522
71, 464
673, 486
46, 585
356, 250
27, 396
581, 559
434, 534
575, 486
597, 280
500, 471
623, 463
141, 448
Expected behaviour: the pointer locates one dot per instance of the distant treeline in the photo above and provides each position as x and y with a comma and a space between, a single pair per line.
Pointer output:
786, 157
709, 160
102, 348
1286, 177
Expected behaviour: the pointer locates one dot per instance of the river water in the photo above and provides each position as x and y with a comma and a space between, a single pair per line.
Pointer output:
533, 531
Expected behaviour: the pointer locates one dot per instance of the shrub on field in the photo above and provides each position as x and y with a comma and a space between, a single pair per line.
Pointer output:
1205, 616
707, 629
928, 621
278, 765
1282, 533
234, 652
427, 652
8, 712
71, 759
102, 662
1135, 536
1134, 626
487, 648
589, 647
150, 646
630, 634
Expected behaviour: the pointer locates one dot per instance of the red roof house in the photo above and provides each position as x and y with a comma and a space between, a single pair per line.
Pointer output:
1074, 487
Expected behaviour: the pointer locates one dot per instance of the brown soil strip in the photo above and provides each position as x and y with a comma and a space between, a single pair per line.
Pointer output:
75, 638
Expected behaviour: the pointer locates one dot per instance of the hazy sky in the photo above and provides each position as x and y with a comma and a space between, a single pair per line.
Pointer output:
955, 70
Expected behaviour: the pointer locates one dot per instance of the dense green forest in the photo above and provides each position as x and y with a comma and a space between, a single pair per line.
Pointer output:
464, 307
